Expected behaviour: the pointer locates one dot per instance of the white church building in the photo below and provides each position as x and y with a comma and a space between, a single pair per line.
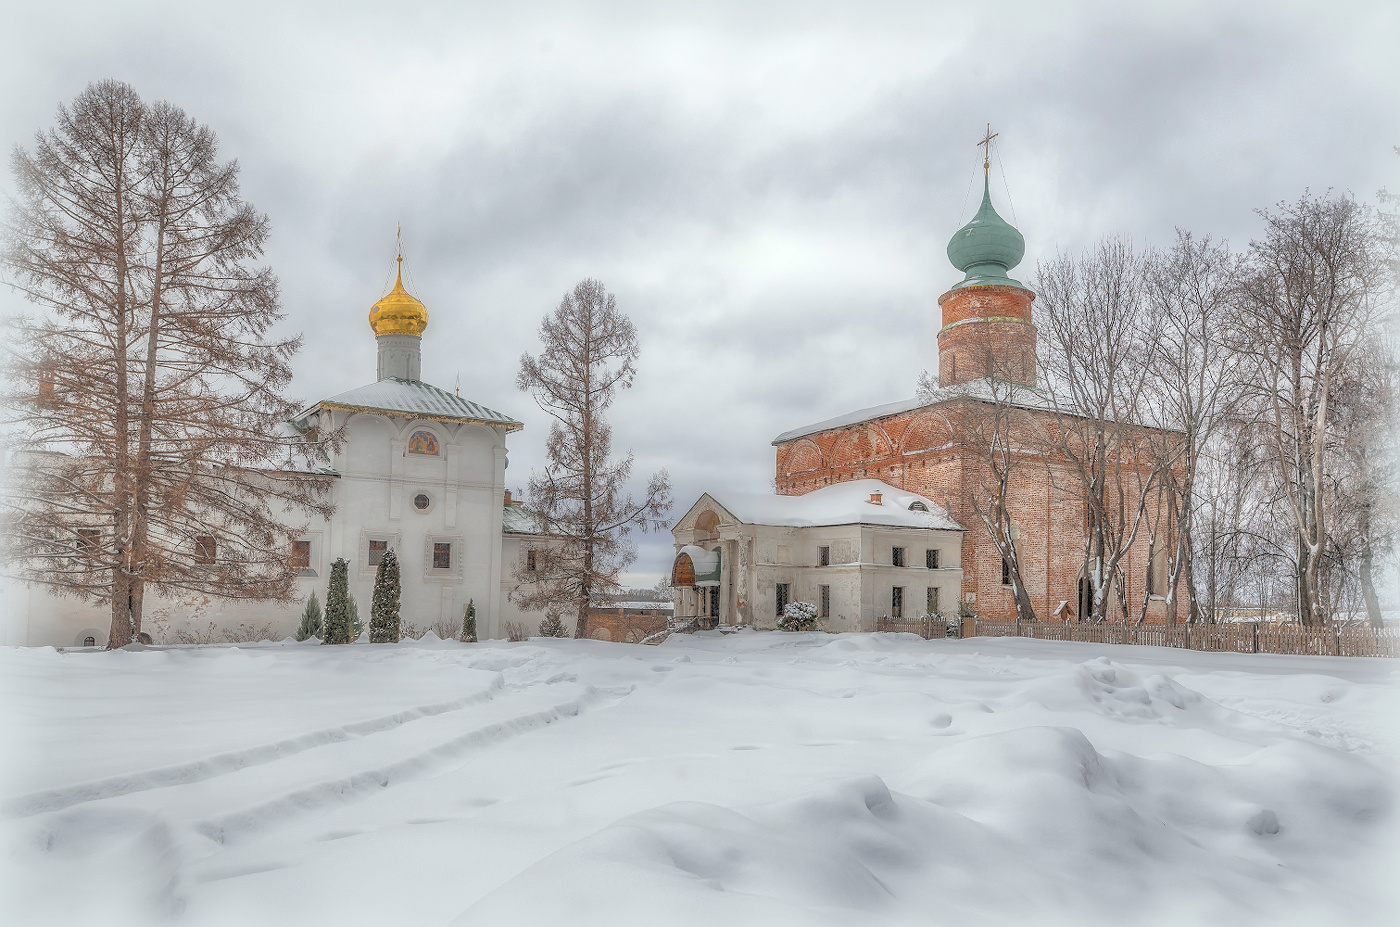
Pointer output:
420, 471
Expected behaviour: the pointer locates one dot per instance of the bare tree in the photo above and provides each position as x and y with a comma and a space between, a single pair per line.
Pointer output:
1196, 378
589, 353
988, 418
145, 396
1308, 296
1096, 352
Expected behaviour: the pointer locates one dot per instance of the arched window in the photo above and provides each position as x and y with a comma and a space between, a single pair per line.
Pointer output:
423, 442
89, 641
917, 506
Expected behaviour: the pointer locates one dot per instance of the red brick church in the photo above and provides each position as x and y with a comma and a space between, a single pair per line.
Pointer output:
987, 343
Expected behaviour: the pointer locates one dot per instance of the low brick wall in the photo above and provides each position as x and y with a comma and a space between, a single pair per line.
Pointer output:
624, 625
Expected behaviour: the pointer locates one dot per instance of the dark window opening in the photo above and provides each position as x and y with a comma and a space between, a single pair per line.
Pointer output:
714, 602
204, 549
824, 556
442, 556
897, 556
917, 506
824, 601
529, 561
931, 559
933, 603
782, 598
89, 641
1006, 571
897, 602
421, 502
377, 550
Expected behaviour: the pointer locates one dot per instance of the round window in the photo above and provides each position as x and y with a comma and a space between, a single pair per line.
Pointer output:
421, 502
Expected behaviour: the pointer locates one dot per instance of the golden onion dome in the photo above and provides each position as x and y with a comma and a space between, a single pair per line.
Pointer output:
398, 313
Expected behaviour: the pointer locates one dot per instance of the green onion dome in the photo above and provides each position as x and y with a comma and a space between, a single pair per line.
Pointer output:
987, 247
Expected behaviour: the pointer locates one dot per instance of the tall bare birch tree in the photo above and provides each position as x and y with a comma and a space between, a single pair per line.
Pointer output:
144, 393
1308, 297
1195, 382
1096, 354
589, 352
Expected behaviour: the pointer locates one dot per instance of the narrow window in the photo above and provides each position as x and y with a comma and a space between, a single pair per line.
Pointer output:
1006, 571
824, 601
933, 603
824, 556
897, 602
301, 555
530, 561
377, 550
782, 598
931, 559
204, 549
897, 556
442, 556
714, 602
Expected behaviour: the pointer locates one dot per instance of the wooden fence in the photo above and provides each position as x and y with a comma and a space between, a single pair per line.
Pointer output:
1339, 640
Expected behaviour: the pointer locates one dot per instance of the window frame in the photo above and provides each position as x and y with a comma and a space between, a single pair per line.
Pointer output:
442, 549
931, 558
782, 595
824, 601
897, 557
824, 555
896, 601
933, 600
371, 550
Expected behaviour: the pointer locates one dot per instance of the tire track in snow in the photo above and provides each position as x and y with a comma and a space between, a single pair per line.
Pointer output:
222, 764
357, 786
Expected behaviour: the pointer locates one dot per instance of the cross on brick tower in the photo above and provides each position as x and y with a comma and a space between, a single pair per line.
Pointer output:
986, 146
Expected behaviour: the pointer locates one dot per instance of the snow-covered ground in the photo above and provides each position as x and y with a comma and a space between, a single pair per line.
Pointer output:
746, 779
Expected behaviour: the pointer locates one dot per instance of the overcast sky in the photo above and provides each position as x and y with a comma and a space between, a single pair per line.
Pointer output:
767, 188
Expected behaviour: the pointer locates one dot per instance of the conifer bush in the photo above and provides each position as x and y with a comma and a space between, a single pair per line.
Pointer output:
469, 623
384, 606
337, 620
357, 626
552, 626
798, 616
310, 619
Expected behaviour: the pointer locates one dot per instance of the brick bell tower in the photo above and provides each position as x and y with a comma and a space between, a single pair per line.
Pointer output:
987, 329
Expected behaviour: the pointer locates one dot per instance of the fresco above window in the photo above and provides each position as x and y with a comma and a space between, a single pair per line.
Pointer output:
423, 442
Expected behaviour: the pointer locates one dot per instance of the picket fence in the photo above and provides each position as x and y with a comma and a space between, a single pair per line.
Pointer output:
1338, 640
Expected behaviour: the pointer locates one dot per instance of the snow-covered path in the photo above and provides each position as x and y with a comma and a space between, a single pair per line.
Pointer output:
744, 779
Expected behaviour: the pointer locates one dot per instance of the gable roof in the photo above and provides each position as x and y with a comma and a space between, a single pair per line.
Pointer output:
419, 400
982, 389
839, 504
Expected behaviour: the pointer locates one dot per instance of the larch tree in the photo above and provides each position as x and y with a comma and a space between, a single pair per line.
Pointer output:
144, 394
589, 352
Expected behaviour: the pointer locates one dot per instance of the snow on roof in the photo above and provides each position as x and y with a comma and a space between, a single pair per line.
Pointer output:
419, 399
515, 519
840, 504
984, 389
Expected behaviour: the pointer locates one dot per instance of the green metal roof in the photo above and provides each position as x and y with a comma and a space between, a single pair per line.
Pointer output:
987, 247
420, 400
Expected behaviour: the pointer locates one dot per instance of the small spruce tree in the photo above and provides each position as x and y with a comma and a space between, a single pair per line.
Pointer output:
337, 605
798, 616
384, 606
310, 619
357, 627
552, 626
469, 623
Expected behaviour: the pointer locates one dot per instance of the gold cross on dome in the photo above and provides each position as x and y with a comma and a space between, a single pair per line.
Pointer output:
986, 146
398, 242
